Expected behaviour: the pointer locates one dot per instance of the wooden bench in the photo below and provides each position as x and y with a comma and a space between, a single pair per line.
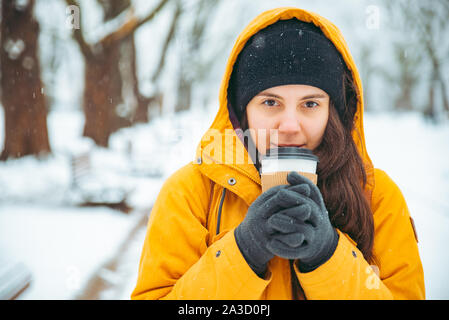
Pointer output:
80, 166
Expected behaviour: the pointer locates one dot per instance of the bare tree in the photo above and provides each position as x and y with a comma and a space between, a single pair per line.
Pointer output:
104, 79
427, 22
408, 76
190, 67
22, 91
158, 94
133, 105
367, 71
431, 26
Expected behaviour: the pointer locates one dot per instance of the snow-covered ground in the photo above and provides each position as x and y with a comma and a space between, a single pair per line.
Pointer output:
64, 245
415, 154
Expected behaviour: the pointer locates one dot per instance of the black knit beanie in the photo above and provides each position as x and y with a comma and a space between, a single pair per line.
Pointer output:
286, 52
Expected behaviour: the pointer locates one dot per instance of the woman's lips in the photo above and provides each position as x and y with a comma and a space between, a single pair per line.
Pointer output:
289, 145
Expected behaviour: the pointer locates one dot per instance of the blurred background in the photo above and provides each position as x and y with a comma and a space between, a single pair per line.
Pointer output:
101, 100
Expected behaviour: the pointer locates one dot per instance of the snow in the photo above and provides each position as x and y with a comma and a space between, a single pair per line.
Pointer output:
21, 4
65, 245
62, 246
14, 48
415, 155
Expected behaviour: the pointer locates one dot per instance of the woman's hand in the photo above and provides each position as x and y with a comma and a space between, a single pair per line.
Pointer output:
304, 231
254, 233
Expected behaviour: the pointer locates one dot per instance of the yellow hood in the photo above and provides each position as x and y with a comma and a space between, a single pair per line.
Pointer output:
221, 134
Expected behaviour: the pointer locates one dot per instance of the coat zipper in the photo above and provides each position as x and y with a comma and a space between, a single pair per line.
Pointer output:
223, 194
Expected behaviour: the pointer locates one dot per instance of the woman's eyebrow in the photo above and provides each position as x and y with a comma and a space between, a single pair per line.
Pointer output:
268, 94
314, 96
310, 96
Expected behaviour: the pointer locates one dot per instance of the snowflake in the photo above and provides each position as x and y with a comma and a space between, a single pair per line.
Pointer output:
21, 5
14, 48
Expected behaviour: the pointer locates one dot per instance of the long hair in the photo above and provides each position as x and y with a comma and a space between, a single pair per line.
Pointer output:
341, 172
342, 175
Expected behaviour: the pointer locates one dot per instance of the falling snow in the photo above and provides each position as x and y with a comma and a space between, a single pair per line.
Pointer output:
14, 48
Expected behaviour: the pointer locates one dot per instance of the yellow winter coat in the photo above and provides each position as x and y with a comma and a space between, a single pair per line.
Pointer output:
183, 257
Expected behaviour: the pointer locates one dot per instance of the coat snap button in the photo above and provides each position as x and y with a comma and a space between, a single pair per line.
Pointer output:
232, 181
217, 254
198, 160
354, 254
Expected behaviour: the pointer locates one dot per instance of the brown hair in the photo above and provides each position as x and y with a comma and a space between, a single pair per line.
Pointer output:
342, 176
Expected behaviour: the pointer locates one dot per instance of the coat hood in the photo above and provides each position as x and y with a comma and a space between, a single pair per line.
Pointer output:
222, 153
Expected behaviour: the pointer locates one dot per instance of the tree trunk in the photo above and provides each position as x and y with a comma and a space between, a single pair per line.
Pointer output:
137, 104
102, 93
190, 67
436, 79
110, 72
103, 85
184, 93
22, 89
429, 112
444, 94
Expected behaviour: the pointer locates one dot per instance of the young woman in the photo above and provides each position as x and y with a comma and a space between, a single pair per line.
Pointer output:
213, 234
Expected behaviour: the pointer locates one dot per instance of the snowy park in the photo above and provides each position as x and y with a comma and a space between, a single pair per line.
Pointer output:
64, 246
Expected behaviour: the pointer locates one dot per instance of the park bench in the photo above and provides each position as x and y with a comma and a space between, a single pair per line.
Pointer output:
89, 188
15, 278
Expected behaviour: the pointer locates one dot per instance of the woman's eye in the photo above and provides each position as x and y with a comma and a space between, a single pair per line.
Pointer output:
270, 102
311, 104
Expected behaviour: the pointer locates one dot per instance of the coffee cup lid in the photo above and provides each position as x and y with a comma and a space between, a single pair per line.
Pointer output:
290, 153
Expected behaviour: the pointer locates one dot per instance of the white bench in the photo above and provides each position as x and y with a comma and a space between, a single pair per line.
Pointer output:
15, 277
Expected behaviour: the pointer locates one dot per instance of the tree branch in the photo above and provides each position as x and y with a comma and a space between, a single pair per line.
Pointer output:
85, 48
167, 42
128, 28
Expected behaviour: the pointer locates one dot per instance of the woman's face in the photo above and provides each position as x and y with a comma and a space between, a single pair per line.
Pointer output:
290, 115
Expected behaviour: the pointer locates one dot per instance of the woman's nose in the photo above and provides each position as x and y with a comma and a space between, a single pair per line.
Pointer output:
289, 122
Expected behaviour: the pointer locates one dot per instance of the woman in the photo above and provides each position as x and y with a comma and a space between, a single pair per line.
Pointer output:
212, 234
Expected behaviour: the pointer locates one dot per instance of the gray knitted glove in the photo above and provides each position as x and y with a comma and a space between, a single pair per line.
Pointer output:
304, 232
254, 233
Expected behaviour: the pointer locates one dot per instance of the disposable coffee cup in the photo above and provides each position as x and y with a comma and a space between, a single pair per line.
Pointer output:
278, 162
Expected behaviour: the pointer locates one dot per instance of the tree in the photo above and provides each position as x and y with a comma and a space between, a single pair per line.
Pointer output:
192, 68
408, 75
22, 91
133, 105
432, 25
427, 22
165, 47
104, 79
